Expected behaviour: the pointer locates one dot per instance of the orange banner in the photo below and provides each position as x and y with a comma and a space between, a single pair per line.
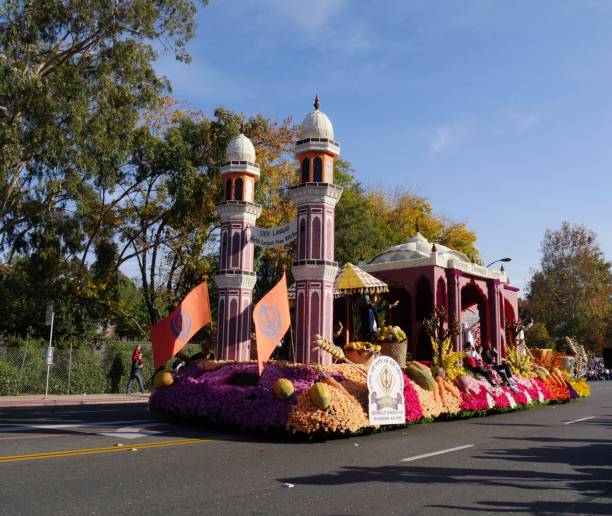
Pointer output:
272, 320
171, 334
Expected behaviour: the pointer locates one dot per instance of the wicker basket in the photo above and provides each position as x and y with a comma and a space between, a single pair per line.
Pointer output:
396, 350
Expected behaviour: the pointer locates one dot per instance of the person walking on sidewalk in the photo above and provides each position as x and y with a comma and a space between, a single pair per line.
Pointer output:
135, 370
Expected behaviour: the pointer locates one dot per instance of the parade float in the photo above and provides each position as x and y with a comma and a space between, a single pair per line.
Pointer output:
327, 390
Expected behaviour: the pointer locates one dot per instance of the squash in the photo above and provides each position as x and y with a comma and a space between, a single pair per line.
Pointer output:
420, 377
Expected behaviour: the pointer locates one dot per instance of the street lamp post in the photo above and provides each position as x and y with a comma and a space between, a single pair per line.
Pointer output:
500, 260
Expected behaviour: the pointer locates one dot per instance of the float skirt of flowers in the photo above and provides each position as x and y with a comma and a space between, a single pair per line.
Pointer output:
233, 393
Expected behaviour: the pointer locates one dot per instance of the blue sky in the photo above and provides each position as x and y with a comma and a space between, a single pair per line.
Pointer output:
499, 113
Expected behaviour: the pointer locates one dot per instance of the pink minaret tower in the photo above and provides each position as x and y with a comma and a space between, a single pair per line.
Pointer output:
236, 278
315, 269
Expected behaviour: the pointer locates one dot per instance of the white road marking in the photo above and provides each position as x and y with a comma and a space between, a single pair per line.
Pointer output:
441, 452
20, 427
578, 420
132, 432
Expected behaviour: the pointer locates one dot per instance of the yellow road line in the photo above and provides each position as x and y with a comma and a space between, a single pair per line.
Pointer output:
89, 451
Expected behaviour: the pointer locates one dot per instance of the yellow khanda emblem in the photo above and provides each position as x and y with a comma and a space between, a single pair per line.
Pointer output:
385, 381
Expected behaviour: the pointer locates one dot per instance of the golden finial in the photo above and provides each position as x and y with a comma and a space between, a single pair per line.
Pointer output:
242, 126
417, 227
317, 103
434, 249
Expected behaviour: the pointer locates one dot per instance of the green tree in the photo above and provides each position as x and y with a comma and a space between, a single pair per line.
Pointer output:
538, 336
361, 227
572, 292
74, 79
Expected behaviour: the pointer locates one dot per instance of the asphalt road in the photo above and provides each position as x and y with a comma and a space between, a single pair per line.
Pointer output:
550, 460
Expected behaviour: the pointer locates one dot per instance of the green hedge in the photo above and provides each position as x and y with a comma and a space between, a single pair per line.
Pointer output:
92, 371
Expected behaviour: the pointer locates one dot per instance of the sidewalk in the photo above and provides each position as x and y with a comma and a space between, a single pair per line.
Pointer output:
37, 400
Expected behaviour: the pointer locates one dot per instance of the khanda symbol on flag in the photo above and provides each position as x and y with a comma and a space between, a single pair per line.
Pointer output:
272, 320
170, 335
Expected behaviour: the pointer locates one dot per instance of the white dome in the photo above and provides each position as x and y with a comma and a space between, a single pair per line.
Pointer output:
240, 149
316, 124
416, 248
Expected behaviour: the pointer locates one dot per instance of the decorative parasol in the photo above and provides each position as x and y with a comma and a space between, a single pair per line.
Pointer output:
352, 280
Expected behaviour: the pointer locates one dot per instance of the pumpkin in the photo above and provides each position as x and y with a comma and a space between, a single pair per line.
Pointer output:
163, 379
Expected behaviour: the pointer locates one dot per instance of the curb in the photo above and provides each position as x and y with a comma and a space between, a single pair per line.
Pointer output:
66, 403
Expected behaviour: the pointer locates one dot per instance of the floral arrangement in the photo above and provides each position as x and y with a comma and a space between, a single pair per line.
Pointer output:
580, 386
430, 407
233, 393
441, 336
522, 364
556, 391
414, 411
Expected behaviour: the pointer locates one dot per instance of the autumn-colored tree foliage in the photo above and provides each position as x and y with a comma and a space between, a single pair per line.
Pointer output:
572, 292
370, 220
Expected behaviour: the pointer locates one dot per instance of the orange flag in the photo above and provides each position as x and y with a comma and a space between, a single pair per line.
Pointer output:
272, 320
172, 333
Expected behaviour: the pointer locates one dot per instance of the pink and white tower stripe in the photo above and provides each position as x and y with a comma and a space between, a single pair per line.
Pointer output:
236, 277
315, 269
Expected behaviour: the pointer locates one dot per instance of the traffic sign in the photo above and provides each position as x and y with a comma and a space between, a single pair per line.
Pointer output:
49, 315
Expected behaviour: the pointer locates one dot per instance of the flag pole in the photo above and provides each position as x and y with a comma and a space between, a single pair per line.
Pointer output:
290, 324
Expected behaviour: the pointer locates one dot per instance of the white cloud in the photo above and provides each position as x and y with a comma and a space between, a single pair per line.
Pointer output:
440, 140
310, 15
446, 136
526, 121
322, 24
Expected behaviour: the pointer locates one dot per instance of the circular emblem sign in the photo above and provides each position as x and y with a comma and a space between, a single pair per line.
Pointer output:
180, 325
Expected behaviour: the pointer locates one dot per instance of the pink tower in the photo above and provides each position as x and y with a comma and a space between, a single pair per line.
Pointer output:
315, 269
236, 278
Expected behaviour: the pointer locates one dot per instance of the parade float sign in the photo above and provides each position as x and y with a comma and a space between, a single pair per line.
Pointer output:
386, 393
274, 237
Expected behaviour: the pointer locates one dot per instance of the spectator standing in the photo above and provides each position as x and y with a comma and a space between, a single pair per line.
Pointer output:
137, 365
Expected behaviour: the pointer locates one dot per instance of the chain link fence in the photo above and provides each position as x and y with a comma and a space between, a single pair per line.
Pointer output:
83, 370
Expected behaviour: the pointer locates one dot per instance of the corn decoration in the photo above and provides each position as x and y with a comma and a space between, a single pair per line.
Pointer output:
580, 356
335, 351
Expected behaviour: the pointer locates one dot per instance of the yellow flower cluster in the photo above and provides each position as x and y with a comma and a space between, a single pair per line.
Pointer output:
580, 386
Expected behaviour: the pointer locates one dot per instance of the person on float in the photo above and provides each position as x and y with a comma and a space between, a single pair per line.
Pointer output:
474, 363
369, 316
468, 335
338, 334
503, 370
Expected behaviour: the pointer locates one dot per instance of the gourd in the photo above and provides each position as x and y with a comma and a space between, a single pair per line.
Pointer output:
283, 389
320, 395
422, 378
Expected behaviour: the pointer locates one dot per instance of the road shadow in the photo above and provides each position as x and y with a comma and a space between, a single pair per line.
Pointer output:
590, 478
